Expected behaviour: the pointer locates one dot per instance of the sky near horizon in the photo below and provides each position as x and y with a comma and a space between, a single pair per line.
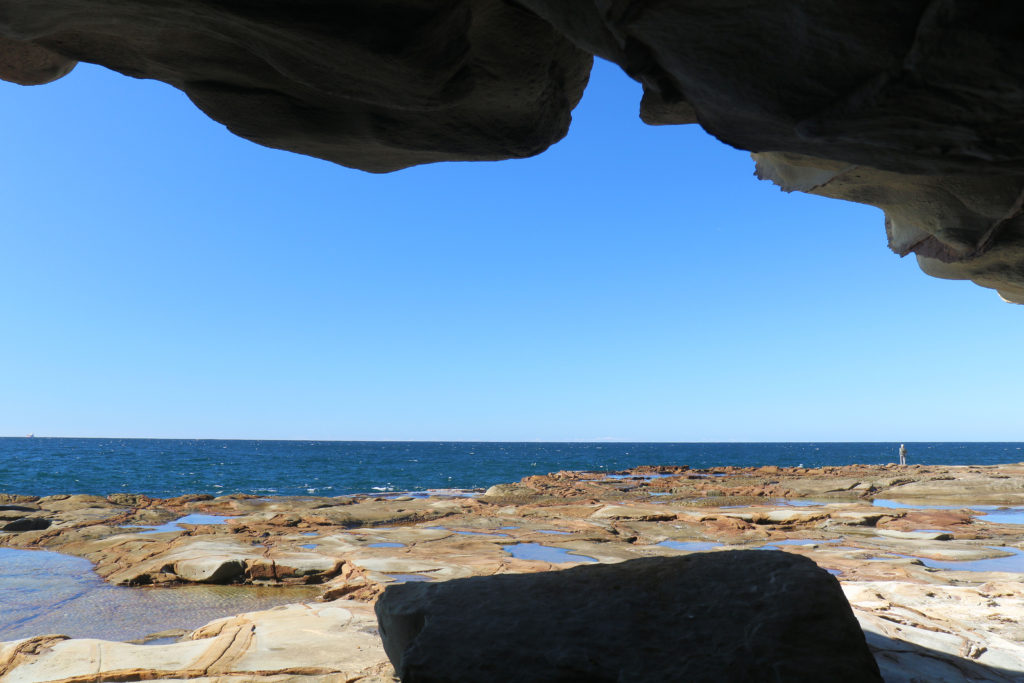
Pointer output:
160, 277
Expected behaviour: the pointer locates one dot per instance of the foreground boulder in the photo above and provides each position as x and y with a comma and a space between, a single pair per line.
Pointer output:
724, 616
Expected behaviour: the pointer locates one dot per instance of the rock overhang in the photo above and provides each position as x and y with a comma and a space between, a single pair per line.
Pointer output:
915, 107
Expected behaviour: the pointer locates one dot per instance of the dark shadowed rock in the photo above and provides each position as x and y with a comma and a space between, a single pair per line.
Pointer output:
909, 104
374, 84
26, 524
728, 616
26, 63
876, 82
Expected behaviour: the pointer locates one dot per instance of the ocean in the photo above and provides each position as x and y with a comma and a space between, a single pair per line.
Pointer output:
172, 467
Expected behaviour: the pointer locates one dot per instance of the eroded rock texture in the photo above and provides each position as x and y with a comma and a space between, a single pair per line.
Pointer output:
912, 106
374, 84
915, 106
298, 643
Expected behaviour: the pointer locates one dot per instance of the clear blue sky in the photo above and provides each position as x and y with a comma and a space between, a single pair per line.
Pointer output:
161, 277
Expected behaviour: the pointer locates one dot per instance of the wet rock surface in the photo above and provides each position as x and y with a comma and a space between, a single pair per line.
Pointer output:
908, 534
730, 616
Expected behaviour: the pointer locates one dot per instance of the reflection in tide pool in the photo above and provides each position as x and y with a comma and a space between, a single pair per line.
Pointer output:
195, 518
799, 541
799, 503
691, 546
536, 551
408, 578
993, 513
1011, 563
465, 533
644, 477
885, 503
43, 592
1005, 516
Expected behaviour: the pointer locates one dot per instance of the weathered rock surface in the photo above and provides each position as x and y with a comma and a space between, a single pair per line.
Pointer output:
738, 616
911, 106
355, 546
959, 227
335, 641
26, 63
942, 634
371, 84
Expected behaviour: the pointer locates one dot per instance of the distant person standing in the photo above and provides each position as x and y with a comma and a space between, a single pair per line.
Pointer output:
903, 454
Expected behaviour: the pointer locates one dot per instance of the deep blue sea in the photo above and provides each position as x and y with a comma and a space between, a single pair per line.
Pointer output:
171, 467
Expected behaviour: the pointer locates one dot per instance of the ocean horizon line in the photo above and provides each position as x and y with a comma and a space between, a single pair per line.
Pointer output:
509, 441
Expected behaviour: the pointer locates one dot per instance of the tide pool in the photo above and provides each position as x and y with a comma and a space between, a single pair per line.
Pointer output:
536, 551
43, 592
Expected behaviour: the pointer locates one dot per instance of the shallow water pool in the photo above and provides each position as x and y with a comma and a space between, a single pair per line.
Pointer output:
799, 503
994, 514
536, 551
43, 592
799, 541
195, 518
466, 533
1011, 563
886, 503
641, 477
408, 578
1004, 516
690, 546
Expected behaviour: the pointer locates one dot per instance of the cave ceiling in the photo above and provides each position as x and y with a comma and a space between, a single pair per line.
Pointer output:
915, 107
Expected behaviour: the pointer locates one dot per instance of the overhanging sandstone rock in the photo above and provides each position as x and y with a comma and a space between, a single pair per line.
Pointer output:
374, 84
913, 106
725, 616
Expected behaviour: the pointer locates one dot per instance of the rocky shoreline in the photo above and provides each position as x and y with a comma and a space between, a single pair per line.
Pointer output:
934, 579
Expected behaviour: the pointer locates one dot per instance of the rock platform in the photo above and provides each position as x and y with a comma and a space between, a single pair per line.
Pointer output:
927, 557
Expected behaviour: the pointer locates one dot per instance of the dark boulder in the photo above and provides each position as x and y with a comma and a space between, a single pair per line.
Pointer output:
734, 616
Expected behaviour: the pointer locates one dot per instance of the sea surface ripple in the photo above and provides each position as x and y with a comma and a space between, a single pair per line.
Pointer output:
172, 467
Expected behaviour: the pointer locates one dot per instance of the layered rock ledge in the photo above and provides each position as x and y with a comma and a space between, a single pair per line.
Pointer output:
931, 558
